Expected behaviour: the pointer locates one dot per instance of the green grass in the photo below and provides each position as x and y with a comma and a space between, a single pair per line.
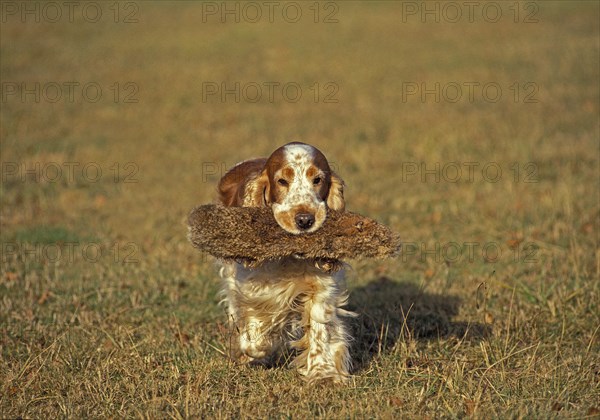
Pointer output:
135, 329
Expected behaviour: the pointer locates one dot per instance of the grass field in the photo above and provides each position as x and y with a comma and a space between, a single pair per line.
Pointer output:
477, 141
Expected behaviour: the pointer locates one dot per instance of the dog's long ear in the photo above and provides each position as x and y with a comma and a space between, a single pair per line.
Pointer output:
335, 198
228, 188
258, 191
237, 187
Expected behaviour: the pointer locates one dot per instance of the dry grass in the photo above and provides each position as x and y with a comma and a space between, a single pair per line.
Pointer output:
137, 332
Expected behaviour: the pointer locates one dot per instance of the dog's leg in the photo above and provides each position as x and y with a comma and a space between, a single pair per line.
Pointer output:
229, 294
325, 342
252, 332
256, 340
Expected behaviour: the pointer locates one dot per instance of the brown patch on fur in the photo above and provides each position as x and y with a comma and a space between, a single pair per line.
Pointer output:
273, 163
321, 165
287, 220
312, 172
232, 186
288, 174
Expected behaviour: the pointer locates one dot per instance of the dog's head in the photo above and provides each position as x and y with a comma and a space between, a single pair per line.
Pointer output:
299, 186
295, 181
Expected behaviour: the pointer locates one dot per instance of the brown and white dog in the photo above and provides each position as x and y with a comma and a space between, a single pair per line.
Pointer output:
290, 303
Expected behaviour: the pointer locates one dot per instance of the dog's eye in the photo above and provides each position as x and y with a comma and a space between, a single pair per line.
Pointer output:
317, 181
282, 182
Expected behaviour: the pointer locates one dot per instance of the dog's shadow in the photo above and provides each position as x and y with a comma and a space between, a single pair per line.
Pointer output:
390, 310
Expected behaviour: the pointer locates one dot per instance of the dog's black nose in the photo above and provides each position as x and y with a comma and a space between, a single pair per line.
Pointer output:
304, 220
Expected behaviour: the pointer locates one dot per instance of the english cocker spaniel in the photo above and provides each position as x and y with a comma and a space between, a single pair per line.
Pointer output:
292, 303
